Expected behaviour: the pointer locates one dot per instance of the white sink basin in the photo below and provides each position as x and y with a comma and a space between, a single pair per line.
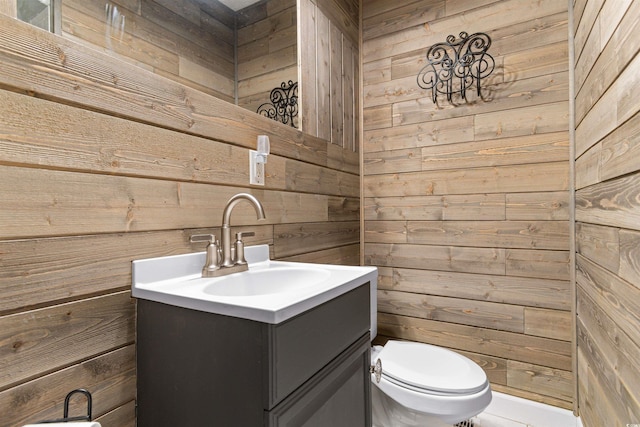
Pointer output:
270, 291
274, 279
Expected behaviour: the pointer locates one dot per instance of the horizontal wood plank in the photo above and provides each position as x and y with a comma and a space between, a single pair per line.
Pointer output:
439, 132
523, 348
616, 355
343, 255
293, 239
599, 243
532, 292
539, 148
39, 341
548, 323
477, 260
448, 207
540, 379
453, 310
518, 99
126, 91
499, 179
614, 203
630, 257
543, 264
118, 204
552, 206
502, 234
616, 297
109, 377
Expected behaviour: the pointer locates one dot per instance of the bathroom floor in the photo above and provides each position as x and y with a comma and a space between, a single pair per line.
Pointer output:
489, 420
509, 411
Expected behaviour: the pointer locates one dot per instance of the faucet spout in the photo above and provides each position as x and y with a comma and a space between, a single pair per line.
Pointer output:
227, 259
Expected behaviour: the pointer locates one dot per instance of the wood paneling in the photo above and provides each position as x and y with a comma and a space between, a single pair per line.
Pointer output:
329, 46
167, 37
467, 205
110, 378
267, 51
103, 162
607, 210
8, 7
502, 344
529, 292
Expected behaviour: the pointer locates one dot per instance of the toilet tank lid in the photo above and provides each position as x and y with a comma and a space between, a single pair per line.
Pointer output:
431, 368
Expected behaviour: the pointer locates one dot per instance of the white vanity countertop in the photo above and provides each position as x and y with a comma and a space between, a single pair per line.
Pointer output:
176, 280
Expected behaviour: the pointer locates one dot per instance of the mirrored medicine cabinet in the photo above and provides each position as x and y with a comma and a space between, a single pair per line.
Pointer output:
235, 50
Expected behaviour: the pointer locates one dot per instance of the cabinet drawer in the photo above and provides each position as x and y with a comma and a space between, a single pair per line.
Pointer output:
303, 345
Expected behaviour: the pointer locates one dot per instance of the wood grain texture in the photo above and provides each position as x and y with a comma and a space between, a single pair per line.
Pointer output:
123, 90
293, 239
606, 346
449, 207
499, 179
607, 171
615, 203
453, 310
610, 292
267, 52
114, 150
467, 204
109, 377
461, 259
39, 341
519, 347
529, 292
330, 47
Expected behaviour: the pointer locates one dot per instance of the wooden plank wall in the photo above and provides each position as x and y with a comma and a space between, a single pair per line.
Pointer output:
329, 69
466, 205
188, 41
607, 141
102, 163
267, 50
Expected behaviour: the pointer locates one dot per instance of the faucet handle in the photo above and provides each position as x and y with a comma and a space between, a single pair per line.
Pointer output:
242, 234
203, 238
239, 247
214, 256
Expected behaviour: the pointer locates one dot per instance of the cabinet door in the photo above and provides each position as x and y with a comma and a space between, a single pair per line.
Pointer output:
338, 396
300, 347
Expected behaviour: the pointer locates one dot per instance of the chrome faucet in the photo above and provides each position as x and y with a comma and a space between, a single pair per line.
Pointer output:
221, 259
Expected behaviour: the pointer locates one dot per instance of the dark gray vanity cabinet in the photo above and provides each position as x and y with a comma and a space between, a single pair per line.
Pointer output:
200, 369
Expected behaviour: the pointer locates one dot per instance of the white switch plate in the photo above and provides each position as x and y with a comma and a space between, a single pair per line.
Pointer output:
256, 170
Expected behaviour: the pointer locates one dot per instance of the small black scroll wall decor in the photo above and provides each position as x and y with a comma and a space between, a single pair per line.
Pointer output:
455, 66
284, 104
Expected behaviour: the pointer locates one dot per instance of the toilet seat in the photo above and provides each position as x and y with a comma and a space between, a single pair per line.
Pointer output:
430, 369
432, 380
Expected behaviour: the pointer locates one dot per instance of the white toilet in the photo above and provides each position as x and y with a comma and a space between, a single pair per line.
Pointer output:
421, 385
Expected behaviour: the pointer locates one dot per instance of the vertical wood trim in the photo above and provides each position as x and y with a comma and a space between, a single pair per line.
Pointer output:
336, 85
359, 141
348, 74
308, 67
323, 46
572, 211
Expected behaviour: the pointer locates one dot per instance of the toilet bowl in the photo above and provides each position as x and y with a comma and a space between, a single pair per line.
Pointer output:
422, 385
425, 385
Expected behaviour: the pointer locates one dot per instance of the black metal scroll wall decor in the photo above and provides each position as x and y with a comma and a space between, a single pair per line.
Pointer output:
284, 104
455, 66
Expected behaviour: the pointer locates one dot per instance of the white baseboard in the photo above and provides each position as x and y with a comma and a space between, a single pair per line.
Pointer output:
532, 413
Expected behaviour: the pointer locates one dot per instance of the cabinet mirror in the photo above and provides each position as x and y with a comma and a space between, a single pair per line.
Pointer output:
236, 50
